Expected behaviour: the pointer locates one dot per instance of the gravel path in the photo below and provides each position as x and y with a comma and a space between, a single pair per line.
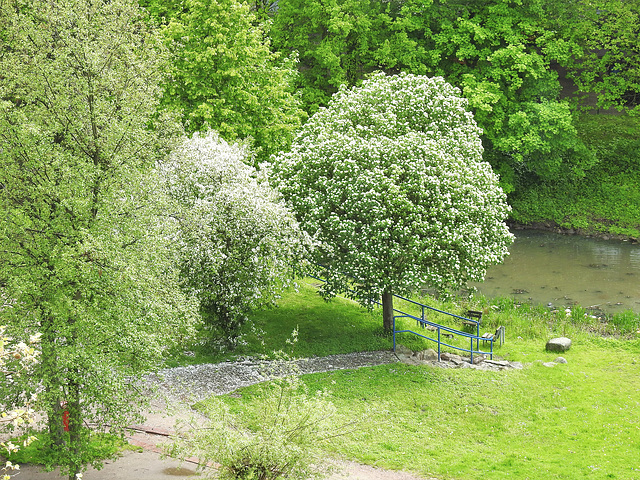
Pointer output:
196, 382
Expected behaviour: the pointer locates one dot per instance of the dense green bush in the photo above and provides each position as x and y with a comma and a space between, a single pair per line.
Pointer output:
605, 200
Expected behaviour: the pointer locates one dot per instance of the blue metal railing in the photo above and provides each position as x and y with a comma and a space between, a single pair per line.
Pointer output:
422, 321
450, 331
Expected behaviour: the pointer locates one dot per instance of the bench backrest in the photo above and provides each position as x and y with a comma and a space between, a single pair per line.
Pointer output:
474, 314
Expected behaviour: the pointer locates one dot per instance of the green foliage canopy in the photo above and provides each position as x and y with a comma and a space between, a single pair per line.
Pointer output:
605, 53
225, 77
500, 54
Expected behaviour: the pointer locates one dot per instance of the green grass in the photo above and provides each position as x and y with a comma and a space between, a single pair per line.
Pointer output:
102, 446
324, 328
571, 421
341, 326
560, 422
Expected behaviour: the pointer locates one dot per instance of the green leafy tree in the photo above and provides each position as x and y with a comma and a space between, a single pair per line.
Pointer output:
390, 180
338, 42
85, 246
499, 53
225, 77
604, 50
239, 240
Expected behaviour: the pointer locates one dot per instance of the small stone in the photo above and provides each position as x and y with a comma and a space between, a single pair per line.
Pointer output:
402, 350
450, 357
549, 364
478, 359
560, 360
428, 355
499, 363
560, 344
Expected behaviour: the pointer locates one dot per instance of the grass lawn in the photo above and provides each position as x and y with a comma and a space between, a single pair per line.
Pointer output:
572, 421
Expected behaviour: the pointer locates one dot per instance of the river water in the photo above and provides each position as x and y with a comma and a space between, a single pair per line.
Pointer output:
565, 270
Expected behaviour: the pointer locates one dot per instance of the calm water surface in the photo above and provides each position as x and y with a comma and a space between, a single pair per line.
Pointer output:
565, 270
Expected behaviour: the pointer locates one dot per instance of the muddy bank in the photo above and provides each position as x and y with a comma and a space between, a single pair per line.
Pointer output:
551, 226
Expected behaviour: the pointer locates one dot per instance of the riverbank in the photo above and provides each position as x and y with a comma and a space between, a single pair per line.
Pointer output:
602, 200
562, 271
553, 227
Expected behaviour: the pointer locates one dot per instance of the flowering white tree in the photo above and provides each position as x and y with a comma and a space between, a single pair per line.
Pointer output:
16, 360
239, 240
389, 178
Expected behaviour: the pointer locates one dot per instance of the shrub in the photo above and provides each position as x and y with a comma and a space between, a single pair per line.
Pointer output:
285, 437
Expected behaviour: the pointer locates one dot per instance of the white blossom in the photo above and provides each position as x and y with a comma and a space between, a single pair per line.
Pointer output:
390, 179
240, 240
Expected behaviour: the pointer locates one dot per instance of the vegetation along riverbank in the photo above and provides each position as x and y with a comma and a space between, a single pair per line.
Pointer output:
605, 201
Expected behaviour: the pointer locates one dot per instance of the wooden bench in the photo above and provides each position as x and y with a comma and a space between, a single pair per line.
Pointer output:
474, 318
494, 337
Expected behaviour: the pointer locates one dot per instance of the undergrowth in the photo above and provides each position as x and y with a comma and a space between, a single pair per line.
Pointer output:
102, 446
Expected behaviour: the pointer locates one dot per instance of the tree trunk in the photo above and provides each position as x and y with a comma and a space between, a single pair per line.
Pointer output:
49, 365
387, 311
75, 428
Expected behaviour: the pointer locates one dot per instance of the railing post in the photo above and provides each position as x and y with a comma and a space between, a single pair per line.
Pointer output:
471, 350
394, 334
439, 345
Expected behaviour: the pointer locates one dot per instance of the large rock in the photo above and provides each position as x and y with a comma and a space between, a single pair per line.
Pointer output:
560, 344
428, 355
451, 357
478, 358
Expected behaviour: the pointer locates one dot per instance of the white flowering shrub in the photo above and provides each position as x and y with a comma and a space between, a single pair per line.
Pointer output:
16, 359
238, 239
389, 178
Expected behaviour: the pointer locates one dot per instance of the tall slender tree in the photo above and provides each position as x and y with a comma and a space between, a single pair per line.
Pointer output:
85, 250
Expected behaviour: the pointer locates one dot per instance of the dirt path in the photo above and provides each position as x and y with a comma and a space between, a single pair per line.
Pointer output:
160, 421
148, 464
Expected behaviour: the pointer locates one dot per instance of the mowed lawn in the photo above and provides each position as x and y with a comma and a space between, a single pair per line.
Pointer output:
570, 421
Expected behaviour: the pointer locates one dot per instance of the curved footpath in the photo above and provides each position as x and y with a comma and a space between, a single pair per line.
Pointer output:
182, 386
